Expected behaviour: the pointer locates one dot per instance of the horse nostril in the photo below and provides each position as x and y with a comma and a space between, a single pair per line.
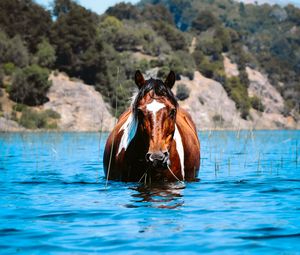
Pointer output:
166, 154
148, 155
157, 156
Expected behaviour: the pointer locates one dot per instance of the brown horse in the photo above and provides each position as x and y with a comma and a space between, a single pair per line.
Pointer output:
155, 139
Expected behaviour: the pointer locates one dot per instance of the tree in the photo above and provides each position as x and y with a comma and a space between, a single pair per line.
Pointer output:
204, 21
13, 50
157, 12
17, 52
73, 34
172, 35
25, 18
61, 7
30, 85
293, 14
4, 42
124, 11
45, 55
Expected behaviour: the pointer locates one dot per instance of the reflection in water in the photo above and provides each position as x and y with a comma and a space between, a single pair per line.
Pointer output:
166, 196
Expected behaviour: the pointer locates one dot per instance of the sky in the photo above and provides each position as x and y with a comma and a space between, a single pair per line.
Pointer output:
281, 2
100, 6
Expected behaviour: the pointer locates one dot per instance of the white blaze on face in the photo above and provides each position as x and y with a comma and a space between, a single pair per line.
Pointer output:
130, 126
179, 148
154, 107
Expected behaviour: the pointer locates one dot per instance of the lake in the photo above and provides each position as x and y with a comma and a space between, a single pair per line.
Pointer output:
55, 199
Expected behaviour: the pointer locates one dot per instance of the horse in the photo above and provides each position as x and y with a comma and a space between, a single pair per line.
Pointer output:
154, 140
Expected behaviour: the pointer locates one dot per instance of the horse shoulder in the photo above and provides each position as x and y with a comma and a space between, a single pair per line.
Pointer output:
190, 143
186, 124
115, 135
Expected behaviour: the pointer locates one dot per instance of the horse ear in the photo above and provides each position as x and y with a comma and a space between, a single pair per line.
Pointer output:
139, 79
170, 81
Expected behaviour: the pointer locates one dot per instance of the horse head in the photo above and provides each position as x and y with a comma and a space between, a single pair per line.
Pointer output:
154, 110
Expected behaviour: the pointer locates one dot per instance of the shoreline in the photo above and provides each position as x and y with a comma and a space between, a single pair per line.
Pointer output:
108, 131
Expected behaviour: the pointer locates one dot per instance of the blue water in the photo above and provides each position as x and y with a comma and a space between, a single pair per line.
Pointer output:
54, 198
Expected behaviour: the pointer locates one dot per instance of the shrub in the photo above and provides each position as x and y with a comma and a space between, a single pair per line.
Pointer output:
30, 85
163, 72
14, 116
218, 119
1, 78
52, 114
182, 92
239, 94
9, 68
181, 62
19, 107
32, 119
257, 104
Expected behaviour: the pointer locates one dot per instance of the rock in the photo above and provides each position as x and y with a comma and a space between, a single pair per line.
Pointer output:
193, 45
231, 69
151, 73
261, 87
211, 107
7, 125
209, 104
81, 107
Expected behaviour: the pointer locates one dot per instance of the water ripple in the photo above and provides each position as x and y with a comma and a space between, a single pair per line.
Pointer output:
55, 199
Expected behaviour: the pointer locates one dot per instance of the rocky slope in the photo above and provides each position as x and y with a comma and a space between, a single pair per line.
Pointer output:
209, 104
211, 107
83, 109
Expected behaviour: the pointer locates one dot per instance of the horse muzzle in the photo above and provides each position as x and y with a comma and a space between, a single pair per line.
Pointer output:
158, 159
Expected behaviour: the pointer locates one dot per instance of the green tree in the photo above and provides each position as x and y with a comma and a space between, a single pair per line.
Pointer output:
204, 21
45, 55
13, 50
4, 42
30, 85
25, 18
172, 35
17, 52
157, 12
61, 7
124, 11
73, 34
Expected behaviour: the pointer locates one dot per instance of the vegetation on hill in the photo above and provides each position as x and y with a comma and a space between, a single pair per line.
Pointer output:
100, 49
262, 36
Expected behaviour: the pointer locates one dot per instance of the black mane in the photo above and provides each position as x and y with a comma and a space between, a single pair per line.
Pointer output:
158, 88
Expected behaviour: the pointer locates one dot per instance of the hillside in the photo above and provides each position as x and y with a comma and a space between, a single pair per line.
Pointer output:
79, 107
234, 47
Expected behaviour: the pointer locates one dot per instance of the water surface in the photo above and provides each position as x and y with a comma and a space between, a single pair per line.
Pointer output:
55, 199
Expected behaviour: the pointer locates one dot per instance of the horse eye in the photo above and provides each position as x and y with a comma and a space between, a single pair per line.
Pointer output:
172, 113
